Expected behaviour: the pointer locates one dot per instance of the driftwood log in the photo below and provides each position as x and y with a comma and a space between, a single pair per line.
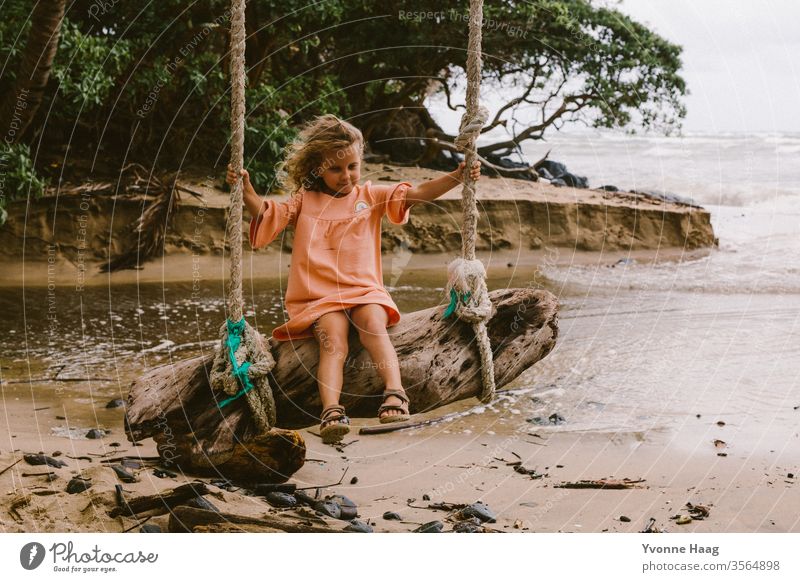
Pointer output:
439, 364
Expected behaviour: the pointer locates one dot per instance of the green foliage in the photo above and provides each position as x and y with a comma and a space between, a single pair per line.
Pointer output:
149, 82
18, 178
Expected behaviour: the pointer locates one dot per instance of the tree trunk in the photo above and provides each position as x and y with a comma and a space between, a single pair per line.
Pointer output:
439, 364
19, 105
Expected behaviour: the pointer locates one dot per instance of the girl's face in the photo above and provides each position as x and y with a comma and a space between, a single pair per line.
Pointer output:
341, 169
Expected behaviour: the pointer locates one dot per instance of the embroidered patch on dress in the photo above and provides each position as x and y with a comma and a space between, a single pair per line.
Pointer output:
361, 205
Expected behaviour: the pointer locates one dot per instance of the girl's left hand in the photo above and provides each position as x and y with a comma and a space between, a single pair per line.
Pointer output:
475, 174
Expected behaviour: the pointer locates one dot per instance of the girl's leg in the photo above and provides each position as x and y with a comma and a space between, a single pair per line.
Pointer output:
371, 320
331, 332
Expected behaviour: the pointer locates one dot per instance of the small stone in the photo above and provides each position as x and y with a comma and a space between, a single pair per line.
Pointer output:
354, 480
201, 502
117, 445
348, 508
683, 520
150, 528
44, 460
116, 403
430, 527
391, 515
790, 475
480, 511
328, 508
78, 485
278, 499
624, 518
426, 497
124, 475
358, 526
57, 453
95, 433
162, 473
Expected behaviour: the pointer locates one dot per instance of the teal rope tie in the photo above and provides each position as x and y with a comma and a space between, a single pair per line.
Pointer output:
235, 331
454, 302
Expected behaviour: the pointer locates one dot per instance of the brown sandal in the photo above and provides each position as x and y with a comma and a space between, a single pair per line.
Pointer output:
335, 424
402, 408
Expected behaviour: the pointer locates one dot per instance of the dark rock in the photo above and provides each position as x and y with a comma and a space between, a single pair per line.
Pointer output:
348, 508
556, 418
116, 403
391, 515
43, 460
609, 188
545, 173
358, 526
78, 485
624, 519
354, 480
790, 475
57, 453
426, 497
430, 527
328, 508
162, 473
571, 179
124, 475
278, 499
95, 433
201, 502
478, 510
555, 169
150, 528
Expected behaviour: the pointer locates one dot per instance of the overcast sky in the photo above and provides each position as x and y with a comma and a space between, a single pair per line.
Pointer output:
741, 60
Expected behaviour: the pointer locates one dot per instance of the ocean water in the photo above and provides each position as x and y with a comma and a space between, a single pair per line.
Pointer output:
648, 346
642, 347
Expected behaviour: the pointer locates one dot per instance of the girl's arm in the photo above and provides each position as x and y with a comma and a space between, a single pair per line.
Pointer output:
432, 189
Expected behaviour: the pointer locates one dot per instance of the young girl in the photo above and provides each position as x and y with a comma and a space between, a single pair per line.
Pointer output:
336, 275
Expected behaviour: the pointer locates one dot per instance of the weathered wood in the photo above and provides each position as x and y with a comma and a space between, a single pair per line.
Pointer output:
439, 364
184, 519
159, 503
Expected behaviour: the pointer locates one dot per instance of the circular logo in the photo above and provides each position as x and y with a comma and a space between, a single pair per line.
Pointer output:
361, 205
31, 555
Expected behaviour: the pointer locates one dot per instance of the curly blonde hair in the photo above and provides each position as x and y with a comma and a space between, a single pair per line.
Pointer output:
302, 165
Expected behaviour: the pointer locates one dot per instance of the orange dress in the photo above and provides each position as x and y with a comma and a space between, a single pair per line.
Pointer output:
336, 255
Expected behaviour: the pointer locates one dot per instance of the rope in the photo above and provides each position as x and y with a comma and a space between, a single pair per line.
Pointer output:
469, 296
242, 364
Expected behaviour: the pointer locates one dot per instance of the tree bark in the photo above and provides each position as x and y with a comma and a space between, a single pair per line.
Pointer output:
19, 105
439, 364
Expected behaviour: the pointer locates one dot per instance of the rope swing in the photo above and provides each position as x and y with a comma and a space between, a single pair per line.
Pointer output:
466, 286
242, 365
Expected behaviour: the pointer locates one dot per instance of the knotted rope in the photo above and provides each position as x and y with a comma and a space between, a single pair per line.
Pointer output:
242, 364
466, 286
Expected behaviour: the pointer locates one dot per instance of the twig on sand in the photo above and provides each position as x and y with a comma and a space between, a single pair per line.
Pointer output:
11, 465
393, 426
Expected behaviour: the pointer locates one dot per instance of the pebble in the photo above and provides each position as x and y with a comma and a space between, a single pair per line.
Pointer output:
348, 510
201, 502
391, 515
279, 499
124, 475
426, 497
44, 460
478, 510
116, 403
328, 508
354, 480
624, 518
78, 485
163, 473
358, 526
95, 433
430, 527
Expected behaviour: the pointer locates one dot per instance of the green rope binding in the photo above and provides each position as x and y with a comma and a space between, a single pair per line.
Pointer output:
235, 330
454, 301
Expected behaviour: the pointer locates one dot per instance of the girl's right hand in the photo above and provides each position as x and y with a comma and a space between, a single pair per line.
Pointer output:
231, 177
